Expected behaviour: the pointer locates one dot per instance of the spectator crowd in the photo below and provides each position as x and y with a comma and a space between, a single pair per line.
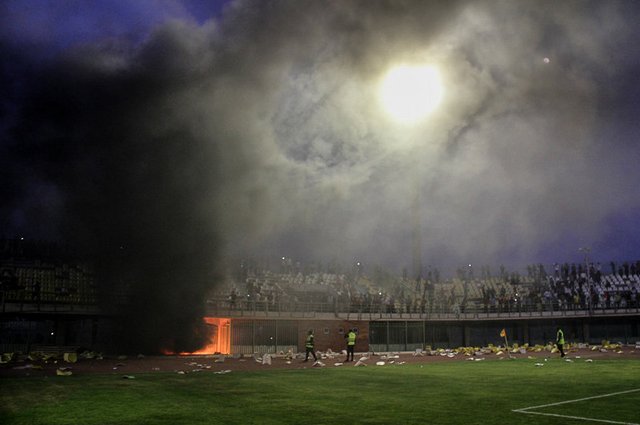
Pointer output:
564, 287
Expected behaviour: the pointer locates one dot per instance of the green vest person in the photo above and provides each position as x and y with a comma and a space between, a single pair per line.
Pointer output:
560, 341
309, 344
351, 344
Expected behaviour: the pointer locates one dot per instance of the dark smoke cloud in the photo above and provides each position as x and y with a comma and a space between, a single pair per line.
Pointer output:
260, 133
114, 132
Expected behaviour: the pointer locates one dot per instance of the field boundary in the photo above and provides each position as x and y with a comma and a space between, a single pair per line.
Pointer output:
528, 410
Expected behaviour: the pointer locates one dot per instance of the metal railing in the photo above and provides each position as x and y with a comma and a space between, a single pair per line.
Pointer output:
474, 309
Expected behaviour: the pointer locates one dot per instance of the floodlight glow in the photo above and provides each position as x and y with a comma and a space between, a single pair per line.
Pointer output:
410, 93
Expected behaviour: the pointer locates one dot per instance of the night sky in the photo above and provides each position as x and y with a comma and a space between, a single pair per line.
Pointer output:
173, 135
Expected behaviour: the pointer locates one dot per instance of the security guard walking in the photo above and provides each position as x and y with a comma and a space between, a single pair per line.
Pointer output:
351, 344
309, 344
560, 341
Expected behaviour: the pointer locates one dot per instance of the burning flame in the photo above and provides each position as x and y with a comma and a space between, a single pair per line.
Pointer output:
219, 338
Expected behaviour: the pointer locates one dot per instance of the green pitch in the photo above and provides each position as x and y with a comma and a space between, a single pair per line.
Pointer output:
461, 392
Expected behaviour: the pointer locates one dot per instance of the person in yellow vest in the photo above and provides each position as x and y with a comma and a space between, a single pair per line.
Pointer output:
351, 344
309, 346
560, 341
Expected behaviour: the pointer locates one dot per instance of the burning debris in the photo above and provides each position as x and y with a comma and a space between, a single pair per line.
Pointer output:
64, 371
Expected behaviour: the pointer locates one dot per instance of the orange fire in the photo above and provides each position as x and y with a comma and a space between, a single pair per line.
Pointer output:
219, 338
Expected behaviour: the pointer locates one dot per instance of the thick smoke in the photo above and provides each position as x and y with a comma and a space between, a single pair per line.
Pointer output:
260, 133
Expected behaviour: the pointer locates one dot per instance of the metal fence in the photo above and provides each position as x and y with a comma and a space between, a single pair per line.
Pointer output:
385, 336
263, 336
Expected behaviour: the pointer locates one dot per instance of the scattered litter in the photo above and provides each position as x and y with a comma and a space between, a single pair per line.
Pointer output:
288, 362
181, 372
318, 363
578, 357
380, 363
338, 364
539, 364
27, 366
64, 371
589, 361
266, 359
568, 360
222, 372
128, 377
361, 362
70, 357
7, 357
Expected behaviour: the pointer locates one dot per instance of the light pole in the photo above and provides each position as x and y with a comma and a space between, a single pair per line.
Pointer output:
409, 93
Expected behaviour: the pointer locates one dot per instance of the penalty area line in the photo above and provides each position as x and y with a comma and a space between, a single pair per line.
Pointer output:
575, 417
528, 410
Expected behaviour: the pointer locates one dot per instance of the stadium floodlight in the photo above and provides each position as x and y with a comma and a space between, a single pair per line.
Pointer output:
409, 93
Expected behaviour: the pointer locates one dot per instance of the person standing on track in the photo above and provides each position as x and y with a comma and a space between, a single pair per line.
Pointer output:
560, 341
309, 346
351, 344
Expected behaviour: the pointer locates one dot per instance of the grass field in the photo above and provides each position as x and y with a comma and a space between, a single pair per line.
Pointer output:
461, 392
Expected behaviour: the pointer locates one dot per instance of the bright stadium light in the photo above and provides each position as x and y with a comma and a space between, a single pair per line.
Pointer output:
410, 92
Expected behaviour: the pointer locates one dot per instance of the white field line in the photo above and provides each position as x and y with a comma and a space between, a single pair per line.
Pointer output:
527, 410
578, 418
